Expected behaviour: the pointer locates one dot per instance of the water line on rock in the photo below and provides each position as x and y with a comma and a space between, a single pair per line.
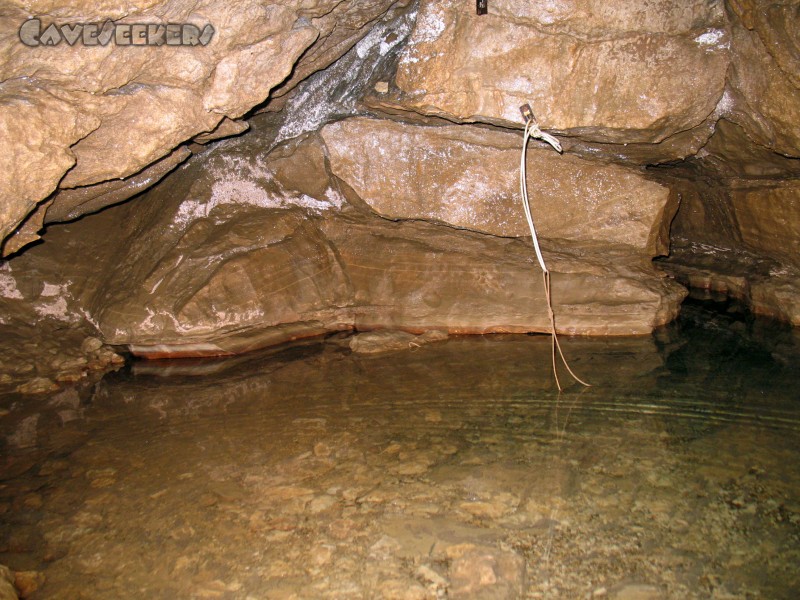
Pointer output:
532, 130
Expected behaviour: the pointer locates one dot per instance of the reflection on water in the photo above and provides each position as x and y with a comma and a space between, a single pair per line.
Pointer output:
449, 471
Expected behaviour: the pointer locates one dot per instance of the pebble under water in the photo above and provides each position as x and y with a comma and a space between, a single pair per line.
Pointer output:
452, 470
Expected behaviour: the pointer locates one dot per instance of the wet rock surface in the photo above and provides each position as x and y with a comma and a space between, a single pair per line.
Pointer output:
7, 590
46, 344
740, 239
468, 177
448, 471
769, 218
713, 84
270, 275
770, 105
363, 99
249, 245
611, 72
105, 112
376, 342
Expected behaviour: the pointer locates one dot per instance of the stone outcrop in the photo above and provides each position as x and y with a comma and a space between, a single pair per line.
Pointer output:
66, 205
243, 279
625, 82
408, 215
46, 340
78, 115
245, 249
741, 238
766, 101
469, 177
615, 71
377, 342
768, 215
7, 591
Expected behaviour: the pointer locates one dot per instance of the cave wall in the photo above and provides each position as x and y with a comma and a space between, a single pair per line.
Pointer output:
737, 230
73, 116
376, 183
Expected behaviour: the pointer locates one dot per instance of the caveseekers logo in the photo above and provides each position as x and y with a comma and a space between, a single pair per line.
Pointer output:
122, 34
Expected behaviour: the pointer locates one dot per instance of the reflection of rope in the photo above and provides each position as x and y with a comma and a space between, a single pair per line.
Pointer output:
532, 130
559, 438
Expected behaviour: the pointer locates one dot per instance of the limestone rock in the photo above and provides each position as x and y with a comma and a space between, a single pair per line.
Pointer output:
339, 90
74, 116
28, 582
280, 271
777, 297
418, 276
376, 342
740, 238
226, 128
768, 215
236, 210
767, 99
340, 28
27, 233
636, 591
271, 275
38, 127
71, 204
768, 288
469, 177
705, 214
91, 344
607, 71
244, 249
482, 572
731, 153
752, 129
7, 591
37, 385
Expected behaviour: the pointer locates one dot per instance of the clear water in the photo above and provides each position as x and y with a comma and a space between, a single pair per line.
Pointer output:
453, 470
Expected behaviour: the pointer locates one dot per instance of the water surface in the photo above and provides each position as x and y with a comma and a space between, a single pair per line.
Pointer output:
454, 470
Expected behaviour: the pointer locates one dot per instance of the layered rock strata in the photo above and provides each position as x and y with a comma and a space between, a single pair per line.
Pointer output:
376, 222
751, 252
612, 72
469, 177
244, 249
78, 114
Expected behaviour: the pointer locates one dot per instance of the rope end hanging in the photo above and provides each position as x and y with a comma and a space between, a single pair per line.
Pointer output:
532, 130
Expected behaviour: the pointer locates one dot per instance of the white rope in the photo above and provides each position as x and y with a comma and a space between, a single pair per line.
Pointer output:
532, 130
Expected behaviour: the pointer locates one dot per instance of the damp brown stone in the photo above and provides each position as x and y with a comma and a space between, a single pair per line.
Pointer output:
238, 252
355, 223
78, 116
616, 72
469, 177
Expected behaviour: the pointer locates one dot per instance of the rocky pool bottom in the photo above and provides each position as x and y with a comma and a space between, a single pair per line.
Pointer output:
449, 470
